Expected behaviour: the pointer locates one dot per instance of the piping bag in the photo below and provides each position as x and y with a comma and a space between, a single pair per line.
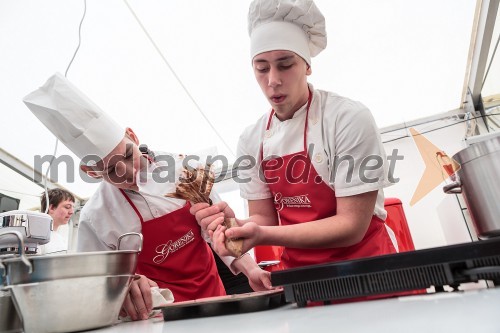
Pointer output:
194, 184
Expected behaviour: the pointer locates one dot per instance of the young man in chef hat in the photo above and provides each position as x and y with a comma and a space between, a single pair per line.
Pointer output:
319, 208
174, 253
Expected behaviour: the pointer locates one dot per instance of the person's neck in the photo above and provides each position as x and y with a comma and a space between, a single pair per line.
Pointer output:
284, 115
55, 224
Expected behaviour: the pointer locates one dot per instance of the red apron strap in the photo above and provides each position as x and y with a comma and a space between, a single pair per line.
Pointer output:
132, 204
269, 120
307, 117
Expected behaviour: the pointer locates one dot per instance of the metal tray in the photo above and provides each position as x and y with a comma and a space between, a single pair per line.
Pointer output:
224, 305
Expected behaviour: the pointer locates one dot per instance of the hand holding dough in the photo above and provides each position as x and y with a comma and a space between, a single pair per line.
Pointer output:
233, 245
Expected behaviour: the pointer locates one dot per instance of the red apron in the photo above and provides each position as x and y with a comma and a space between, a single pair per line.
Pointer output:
301, 196
175, 256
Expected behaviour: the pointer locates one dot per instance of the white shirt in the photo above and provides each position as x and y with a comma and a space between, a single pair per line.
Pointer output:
58, 242
337, 128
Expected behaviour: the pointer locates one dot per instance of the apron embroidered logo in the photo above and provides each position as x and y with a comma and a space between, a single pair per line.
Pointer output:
291, 202
165, 249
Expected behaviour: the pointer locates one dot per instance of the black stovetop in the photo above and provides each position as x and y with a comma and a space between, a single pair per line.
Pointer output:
407, 271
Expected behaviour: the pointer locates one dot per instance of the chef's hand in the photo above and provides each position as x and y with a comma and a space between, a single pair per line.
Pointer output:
209, 217
249, 232
259, 279
139, 303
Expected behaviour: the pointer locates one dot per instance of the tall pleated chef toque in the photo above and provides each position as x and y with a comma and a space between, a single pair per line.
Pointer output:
291, 25
73, 118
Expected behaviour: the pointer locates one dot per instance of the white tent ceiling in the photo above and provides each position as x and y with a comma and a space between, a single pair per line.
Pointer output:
403, 59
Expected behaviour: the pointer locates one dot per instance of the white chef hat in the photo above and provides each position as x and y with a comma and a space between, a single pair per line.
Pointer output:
73, 118
292, 25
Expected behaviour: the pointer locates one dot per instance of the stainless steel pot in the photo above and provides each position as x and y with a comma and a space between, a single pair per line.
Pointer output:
478, 179
46, 267
69, 292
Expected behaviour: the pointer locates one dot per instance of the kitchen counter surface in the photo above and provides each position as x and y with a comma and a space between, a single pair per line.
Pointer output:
473, 310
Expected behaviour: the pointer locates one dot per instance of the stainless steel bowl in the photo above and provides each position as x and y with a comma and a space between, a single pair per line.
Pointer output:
69, 292
69, 305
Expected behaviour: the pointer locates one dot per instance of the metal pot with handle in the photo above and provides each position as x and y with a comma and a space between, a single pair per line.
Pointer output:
40, 268
478, 181
69, 292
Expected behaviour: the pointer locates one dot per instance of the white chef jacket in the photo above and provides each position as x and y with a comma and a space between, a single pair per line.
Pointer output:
337, 126
107, 215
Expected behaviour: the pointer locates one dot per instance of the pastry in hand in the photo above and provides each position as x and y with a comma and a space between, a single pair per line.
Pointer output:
233, 245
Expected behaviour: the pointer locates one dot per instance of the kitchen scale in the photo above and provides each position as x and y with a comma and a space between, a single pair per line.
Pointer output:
412, 271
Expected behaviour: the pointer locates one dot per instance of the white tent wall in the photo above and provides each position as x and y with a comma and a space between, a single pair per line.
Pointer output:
428, 227
14, 185
404, 60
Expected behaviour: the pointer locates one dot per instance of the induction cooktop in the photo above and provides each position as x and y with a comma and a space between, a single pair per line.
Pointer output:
437, 267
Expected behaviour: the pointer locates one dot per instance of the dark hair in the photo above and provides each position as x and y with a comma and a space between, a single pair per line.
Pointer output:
56, 196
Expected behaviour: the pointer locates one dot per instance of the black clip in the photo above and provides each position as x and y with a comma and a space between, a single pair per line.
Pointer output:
143, 148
